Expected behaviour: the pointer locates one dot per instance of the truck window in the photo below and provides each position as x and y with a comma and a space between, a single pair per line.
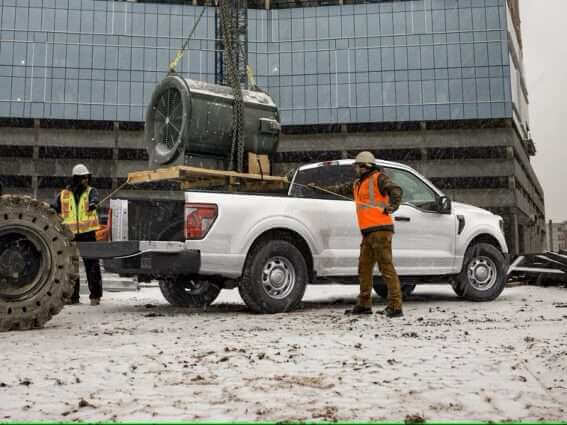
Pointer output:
415, 192
327, 177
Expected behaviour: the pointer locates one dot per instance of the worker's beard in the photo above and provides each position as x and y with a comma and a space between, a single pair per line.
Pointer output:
76, 182
360, 171
79, 183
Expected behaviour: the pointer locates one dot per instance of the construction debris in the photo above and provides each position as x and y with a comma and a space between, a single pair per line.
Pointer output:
546, 269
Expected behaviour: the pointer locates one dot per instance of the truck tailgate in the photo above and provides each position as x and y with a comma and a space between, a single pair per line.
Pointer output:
148, 220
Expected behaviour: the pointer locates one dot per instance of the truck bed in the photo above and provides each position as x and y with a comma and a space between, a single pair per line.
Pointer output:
163, 219
148, 220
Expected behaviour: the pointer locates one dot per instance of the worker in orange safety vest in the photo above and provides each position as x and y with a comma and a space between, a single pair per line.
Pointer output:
376, 197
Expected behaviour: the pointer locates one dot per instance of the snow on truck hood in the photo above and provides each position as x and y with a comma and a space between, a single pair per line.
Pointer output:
459, 207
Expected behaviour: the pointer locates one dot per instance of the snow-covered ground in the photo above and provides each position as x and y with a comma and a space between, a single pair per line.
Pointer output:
135, 358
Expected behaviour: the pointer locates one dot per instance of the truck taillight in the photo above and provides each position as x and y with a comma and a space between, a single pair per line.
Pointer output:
198, 219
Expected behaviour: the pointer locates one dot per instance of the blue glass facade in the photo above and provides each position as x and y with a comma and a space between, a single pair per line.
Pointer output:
382, 61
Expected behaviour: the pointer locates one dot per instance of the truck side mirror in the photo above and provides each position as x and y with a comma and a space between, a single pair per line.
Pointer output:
444, 205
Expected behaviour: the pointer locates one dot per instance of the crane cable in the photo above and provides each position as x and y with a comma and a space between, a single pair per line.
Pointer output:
173, 64
237, 145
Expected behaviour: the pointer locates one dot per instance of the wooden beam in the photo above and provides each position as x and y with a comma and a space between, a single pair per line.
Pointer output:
202, 183
153, 175
185, 173
258, 164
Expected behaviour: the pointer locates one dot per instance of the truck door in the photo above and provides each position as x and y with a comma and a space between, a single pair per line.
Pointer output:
333, 216
424, 239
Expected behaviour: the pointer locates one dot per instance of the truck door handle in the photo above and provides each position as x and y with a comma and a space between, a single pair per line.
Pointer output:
400, 218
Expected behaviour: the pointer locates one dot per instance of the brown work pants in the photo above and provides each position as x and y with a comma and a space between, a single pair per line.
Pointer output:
377, 248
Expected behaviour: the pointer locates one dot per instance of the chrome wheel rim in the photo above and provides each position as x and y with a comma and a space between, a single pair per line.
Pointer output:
278, 277
482, 273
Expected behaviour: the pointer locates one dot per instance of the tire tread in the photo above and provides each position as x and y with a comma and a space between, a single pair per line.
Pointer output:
252, 293
28, 212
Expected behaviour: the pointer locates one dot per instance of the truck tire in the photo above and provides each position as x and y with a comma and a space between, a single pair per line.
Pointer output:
382, 290
483, 275
275, 278
182, 291
39, 264
457, 288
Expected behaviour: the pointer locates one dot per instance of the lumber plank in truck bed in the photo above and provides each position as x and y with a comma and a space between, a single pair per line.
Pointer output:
188, 174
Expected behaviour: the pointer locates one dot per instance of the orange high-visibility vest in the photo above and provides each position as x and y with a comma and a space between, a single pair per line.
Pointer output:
78, 220
370, 203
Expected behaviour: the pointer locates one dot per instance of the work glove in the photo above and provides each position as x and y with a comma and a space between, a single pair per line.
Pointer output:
389, 210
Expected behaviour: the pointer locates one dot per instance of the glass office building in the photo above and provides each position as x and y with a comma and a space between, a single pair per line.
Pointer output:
372, 62
94, 60
365, 66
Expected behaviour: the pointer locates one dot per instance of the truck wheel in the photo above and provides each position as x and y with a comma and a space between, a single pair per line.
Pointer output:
483, 275
182, 291
382, 290
38, 263
275, 278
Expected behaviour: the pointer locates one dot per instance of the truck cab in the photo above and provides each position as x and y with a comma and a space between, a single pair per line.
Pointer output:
431, 231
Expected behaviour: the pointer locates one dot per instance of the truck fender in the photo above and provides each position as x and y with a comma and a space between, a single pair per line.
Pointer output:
471, 236
284, 223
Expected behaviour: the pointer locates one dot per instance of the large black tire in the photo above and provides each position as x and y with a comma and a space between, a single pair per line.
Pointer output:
483, 275
183, 291
382, 290
38, 263
275, 277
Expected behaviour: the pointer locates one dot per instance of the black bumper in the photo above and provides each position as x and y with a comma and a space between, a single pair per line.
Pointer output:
101, 250
126, 258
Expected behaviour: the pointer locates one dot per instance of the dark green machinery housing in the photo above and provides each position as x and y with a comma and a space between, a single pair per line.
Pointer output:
187, 117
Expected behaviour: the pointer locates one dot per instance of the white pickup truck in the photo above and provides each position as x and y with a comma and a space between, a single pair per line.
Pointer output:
271, 246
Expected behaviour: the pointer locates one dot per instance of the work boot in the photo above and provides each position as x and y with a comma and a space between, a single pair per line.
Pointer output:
72, 301
95, 301
388, 312
359, 309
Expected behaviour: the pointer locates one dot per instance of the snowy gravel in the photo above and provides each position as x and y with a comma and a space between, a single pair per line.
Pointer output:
137, 358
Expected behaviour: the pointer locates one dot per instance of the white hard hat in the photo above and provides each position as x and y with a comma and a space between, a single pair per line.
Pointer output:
365, 158
81, 170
